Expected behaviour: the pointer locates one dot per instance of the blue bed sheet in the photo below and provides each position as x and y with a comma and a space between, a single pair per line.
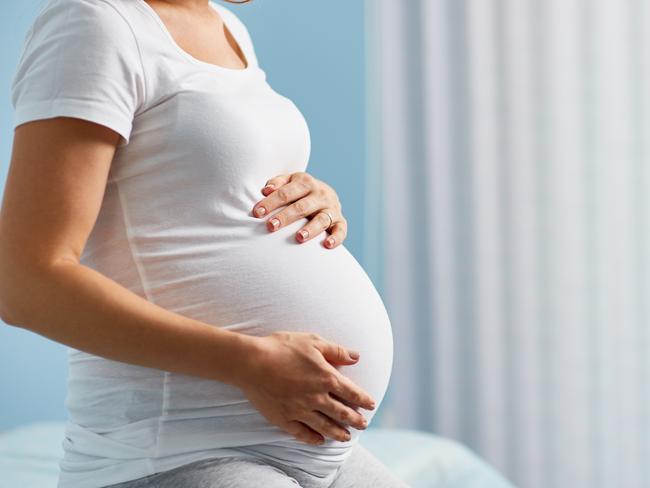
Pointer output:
29, 458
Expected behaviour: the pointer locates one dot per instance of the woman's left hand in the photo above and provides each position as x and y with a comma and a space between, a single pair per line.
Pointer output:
305, 196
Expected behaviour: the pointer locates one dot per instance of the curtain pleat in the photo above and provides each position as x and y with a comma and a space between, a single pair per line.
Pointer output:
511, 148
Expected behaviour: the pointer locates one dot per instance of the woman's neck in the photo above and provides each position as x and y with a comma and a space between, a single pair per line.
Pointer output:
186, 3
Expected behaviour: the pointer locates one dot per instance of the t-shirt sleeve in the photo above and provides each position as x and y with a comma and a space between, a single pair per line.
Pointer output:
80, 59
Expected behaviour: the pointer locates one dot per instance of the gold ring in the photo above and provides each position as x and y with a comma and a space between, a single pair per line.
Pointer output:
331, 219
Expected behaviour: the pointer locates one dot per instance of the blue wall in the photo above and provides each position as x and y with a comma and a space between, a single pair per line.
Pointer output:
313, 53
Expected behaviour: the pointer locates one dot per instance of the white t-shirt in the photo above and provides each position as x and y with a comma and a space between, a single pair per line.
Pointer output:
198, 142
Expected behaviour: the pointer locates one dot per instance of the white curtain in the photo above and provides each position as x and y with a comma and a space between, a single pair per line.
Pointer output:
509, 151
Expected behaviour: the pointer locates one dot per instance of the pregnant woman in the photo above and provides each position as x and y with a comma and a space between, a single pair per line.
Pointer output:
207, 347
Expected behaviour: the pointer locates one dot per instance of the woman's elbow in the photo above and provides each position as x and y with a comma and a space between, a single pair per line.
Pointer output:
8, 308
14, 293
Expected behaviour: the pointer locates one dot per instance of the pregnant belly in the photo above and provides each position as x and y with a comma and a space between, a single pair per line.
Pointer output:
264, 283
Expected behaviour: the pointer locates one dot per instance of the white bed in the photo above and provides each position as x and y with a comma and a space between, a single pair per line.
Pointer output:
29, 457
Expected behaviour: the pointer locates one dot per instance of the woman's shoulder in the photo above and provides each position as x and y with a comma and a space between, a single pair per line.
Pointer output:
91, 18
80, 58
74, 30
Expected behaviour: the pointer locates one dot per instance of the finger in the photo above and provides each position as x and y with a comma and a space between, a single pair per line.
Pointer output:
341, 412
319, 223
326, 426
335, 353
275, 183
338, 232
350, 392
303, 432
284, 195
300, 208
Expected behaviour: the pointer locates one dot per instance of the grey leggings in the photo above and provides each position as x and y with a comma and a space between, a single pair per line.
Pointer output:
360, 470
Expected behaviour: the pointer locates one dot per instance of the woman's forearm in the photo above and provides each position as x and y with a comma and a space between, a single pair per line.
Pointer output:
75, 305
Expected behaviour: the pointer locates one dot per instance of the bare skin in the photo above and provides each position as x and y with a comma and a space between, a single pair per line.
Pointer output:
53, 194
311, 198
200, 31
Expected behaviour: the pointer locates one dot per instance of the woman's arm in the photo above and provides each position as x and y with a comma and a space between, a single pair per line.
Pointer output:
52, 198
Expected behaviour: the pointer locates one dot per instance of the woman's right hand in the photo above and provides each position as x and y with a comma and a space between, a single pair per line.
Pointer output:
289, 378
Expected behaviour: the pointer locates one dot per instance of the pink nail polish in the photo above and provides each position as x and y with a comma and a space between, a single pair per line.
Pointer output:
260, 211
275, 223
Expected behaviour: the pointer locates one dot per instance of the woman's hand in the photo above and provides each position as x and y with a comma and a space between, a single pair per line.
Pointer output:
318, 400
311, 198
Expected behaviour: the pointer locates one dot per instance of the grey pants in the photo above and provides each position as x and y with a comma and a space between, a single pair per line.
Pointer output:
360, 470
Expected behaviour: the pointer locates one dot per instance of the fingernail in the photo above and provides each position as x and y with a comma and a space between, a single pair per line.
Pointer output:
260, 211
269, 187
275, 223
330, 241
354, 354
303, 234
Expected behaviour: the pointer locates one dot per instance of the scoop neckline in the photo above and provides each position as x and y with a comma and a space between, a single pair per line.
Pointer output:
215, 67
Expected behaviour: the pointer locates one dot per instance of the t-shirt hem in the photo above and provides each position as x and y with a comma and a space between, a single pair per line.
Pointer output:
133, 470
